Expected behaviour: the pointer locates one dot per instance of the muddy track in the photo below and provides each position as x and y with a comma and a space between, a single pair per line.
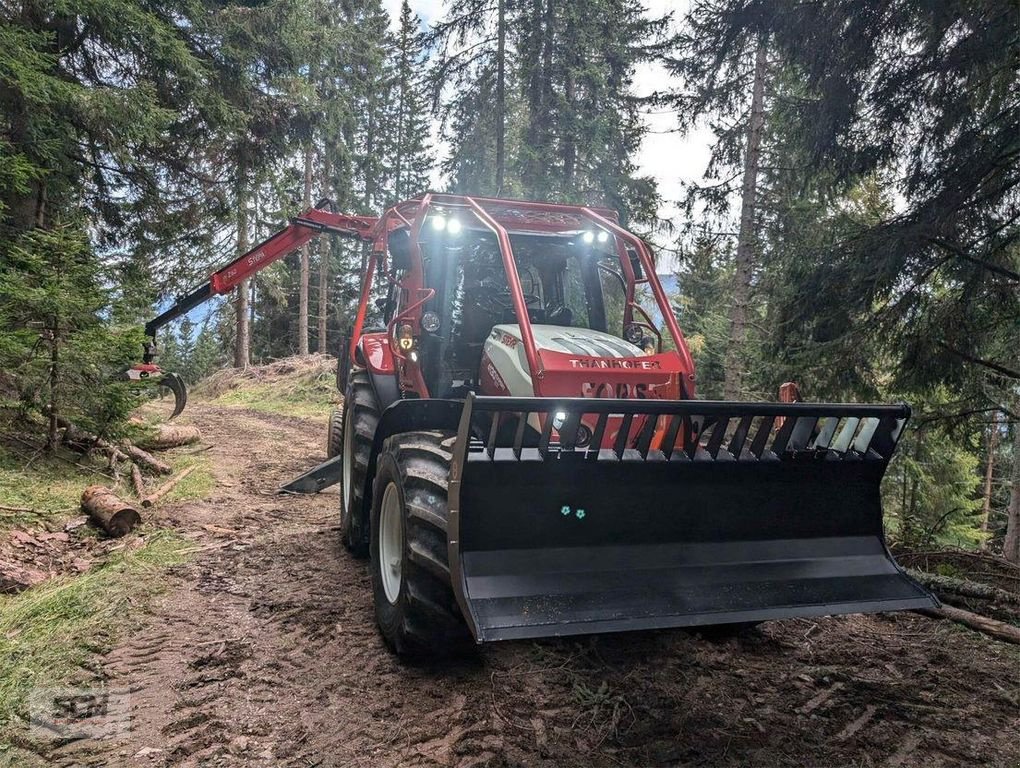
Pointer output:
264, 652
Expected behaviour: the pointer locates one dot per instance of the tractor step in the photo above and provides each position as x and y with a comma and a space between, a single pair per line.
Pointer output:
698, 513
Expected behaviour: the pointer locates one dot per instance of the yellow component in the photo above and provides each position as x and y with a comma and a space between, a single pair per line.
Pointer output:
405, 339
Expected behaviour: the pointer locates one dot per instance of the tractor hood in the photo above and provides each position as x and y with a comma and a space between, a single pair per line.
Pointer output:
575, 341
576, 362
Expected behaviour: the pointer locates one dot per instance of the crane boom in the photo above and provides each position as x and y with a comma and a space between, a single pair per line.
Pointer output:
302, 228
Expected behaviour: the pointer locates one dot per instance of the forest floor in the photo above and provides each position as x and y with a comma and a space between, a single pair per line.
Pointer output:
262, 651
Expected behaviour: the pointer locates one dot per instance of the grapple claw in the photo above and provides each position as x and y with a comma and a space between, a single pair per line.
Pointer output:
175, 384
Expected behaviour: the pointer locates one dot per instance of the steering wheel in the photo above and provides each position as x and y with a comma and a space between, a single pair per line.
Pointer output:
505, 300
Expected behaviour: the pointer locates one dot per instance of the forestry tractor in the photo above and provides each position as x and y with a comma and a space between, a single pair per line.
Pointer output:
520, 451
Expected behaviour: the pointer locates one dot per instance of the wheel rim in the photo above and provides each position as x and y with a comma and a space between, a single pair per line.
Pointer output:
391, 543
347, 462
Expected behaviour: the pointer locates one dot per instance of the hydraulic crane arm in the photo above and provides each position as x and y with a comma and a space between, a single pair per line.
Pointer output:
311, 223
302, 228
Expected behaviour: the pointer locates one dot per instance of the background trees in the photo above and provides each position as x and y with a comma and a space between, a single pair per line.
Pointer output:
856, 229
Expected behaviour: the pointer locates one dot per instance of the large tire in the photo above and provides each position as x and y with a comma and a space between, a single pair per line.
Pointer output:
335, 433
419, 616
361, 417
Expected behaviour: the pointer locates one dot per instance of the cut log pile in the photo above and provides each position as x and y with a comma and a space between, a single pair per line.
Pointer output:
103, 506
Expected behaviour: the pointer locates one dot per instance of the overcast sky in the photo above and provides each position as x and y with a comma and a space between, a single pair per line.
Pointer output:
665, 154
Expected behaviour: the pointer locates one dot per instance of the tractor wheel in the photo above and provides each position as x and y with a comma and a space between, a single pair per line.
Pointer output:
335, 433
361, 416
414, 603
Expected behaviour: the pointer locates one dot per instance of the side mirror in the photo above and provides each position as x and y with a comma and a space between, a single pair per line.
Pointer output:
398, 243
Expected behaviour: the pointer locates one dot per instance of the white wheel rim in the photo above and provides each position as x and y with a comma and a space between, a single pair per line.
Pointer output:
347, 462
391, 542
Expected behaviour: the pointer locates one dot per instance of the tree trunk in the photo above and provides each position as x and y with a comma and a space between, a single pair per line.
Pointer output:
1011, 547
305, 268
325, 247
992, 446
51, 432
991, 627
108, 511
746, 239
500, 94
242, 343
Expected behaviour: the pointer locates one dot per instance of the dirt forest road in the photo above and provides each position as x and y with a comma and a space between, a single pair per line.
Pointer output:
263, 652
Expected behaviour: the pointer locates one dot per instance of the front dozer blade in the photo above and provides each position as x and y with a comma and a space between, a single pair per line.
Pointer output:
699, 513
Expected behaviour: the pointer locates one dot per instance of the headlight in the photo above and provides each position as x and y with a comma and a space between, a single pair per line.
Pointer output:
634, 334
430, 322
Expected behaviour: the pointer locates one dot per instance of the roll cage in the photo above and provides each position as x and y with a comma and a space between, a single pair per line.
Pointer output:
504, 218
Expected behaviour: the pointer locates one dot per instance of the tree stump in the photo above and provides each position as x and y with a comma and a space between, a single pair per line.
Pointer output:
108, 511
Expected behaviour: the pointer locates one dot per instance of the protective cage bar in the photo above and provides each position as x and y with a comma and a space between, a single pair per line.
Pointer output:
576, 515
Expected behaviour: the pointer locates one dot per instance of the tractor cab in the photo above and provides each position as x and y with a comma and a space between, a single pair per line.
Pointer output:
508, 300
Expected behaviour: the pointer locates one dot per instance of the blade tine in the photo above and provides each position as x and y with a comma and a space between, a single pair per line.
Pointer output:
522, 423
645, 437
692, 438
801, 435
490, 447
543, 441
740, 436
568, 432
864, 437
829, 425
596, 438
784, 434
620, 445
762, 436
669, 440
846, 435
718, 433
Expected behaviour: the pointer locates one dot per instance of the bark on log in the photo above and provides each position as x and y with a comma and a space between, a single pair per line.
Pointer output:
171, 436
109, 512
949, 585
997, 629
168, 486
147, 460
136, 479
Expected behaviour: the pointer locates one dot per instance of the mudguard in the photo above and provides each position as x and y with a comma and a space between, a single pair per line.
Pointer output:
641, 514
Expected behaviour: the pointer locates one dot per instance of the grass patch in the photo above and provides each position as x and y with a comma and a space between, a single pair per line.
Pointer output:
308, 401
197, 485
47, 633
295, 386
48, 486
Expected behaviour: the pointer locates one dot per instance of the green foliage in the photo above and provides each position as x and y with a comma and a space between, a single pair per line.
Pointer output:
572, 121
931, 490
54, 340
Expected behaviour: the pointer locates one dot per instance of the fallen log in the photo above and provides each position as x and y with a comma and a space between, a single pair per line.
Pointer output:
136, 480
964, 587
109, 512
168, 486
146, 459
84, 442
991, 627
171, 436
